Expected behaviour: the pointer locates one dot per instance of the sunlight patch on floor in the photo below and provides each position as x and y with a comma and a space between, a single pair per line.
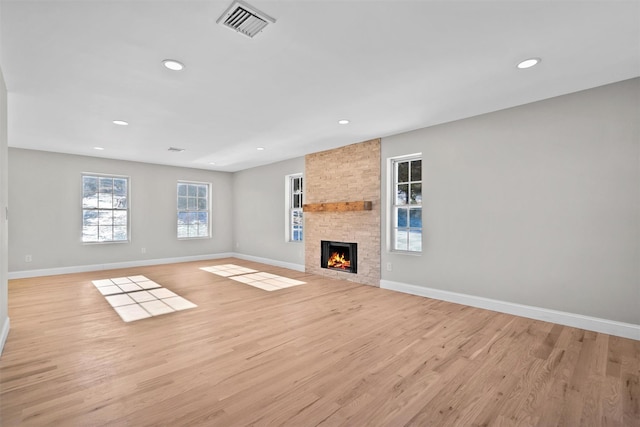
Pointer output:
227, 270
265, 281
137, 297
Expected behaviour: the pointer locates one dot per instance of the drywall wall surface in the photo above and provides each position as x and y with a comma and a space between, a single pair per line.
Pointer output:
536, 205
260, 213
4, 197
46, 219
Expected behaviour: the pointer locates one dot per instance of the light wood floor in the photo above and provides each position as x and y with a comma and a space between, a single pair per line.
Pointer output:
325, 353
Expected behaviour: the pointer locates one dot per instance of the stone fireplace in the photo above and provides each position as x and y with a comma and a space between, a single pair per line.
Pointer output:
346, 183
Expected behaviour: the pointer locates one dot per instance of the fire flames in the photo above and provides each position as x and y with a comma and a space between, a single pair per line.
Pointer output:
337, 260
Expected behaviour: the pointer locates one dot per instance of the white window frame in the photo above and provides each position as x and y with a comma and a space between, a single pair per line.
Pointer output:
392, 211
290, 209
188, 210
97, 209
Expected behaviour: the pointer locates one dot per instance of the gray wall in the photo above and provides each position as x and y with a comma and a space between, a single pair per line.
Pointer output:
259, 212
538, 205
45, 198
4, 312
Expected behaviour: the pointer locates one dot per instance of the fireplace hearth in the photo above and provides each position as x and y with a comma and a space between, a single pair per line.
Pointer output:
341, 256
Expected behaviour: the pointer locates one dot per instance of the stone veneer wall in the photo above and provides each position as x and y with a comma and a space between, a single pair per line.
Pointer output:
345, 174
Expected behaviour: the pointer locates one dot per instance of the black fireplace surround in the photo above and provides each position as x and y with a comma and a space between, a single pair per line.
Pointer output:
339, 256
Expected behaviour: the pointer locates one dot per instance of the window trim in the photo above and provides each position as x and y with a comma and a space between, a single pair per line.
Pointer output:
288, 209
82, 208
209, 186
391, 204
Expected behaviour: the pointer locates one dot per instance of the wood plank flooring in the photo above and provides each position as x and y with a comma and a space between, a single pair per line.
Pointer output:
329, 353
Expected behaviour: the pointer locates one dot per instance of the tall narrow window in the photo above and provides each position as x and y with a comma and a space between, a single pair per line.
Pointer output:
407, 204
105, 208
193, 210
295, 223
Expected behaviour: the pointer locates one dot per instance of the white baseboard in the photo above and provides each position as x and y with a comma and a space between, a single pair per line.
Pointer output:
142, 263
4, 334
268, 261
611, 327
112, 266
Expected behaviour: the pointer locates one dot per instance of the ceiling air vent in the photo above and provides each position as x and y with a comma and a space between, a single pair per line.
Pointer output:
176, 149
245, 19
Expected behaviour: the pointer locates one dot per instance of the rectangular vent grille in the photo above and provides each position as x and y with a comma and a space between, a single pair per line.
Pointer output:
176, 149
245, 22
245, 19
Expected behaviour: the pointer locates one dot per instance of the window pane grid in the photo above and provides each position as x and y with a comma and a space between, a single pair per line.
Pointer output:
296, 221
296, 224
193, 210
104, 208
407, 205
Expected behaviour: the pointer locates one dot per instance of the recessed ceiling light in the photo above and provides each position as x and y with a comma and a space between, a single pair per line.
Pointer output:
173, 65
260, 148
343, 122
120, 123
528, 63
212, 163
98, 148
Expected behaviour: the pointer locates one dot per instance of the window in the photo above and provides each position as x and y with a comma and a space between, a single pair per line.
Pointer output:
193, 210
295, 221
407, 204
105, 208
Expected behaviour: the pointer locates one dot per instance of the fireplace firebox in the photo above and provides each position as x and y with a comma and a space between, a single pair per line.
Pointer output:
339, 256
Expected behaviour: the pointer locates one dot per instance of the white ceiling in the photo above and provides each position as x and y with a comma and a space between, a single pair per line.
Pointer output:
71, 67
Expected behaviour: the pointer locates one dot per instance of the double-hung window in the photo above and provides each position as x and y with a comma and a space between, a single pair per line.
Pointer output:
406, 213
194, 219
295, 223
105, 208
